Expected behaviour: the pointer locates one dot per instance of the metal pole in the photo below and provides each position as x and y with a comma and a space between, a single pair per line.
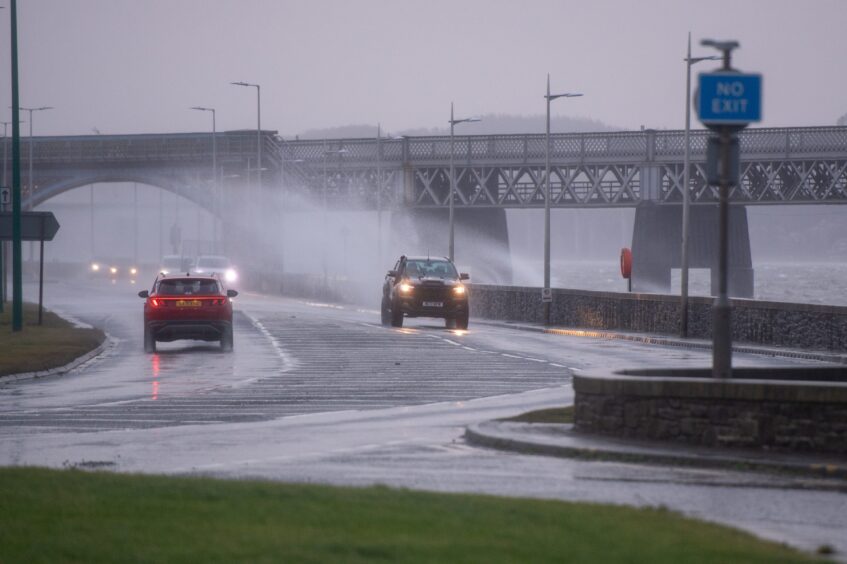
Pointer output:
161, 220
135, 224
91, 217
722, 347
451, 243
215, 185
722, 320
378, 195
30, 189
686, 204
323, 222
41, 275
17, 281
259, 137
547, 205
3, 243
686, 191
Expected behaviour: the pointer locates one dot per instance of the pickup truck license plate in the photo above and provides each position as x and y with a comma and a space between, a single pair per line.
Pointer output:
433, 304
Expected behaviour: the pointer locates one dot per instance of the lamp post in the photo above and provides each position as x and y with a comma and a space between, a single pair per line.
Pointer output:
5, 184
283, 203
31, 183
686, 204
258, 132
215, 186
453, 122
326, 153
546, 292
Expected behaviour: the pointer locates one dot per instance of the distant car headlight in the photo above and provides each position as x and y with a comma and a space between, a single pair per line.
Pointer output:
95, 267
230, 275
113, 269
164, 271
459, 290
198, 270
406, 288
133, 271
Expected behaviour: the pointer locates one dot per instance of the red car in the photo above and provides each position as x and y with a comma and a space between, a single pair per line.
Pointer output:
187, 307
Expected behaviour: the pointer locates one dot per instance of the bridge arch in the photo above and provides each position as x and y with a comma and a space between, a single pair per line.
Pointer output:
178, 185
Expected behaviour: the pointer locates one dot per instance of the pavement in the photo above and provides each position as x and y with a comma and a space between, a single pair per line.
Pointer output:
671, 341
562, 440
816, 471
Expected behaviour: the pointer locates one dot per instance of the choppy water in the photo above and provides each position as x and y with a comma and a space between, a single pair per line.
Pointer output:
815, 283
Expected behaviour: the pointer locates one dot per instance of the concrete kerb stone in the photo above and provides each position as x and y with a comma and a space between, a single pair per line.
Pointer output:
667, 341
560, 440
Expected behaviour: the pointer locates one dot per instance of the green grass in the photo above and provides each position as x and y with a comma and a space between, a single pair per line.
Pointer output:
77, 516
39, 347
554, 415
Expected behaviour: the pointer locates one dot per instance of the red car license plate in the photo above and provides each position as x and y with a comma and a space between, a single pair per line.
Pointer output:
188, 303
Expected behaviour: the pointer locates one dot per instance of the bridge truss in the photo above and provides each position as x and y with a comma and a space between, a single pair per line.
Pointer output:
779, 166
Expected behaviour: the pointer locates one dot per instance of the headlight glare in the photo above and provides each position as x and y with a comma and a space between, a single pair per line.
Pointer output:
231, 275
459, 290
405, 288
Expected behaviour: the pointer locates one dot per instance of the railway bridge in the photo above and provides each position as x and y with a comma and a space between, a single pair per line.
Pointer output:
409, 176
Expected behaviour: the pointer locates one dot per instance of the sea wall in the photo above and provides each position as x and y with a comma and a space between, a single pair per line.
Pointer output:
760, 322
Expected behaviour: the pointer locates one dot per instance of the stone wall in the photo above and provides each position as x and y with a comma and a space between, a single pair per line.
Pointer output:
760, 322
778, 414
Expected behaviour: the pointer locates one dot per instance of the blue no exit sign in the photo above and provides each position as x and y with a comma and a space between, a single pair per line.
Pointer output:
727, 98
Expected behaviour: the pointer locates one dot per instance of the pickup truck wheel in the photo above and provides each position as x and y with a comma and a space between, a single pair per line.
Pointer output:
396, 316
384, 313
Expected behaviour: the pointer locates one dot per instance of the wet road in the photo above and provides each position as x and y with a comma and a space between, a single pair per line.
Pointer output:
319, 393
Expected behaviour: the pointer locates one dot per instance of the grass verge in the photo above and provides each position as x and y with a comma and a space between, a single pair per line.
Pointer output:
76, 516
41, 347
554, 415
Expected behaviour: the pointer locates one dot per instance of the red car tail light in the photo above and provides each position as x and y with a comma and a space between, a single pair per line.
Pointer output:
155, 302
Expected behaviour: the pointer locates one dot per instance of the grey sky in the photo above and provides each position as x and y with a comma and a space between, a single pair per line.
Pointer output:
127, 66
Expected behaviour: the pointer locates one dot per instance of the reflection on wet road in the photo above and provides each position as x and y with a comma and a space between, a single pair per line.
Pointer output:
324, 393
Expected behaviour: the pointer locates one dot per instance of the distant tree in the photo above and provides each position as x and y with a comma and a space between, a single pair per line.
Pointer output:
842, 120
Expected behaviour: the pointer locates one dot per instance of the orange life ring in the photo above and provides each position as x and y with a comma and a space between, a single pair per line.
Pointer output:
626, 262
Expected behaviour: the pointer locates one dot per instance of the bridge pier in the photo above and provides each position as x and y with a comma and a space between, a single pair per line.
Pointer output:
656, 247
482, 239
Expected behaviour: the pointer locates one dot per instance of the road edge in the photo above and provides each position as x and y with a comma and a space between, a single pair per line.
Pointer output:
485, 434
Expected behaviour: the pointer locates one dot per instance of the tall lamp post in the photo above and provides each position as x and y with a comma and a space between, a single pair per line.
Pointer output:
686, 197
31, 182
546, 293
453, 122
326, 153
215, 186
258, 132
5, 184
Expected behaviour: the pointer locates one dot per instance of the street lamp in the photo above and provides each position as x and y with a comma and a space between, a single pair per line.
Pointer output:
686, 204
379, 187
546, 292
326, 153
215, 187
258, 131
30, 110
283, 203
453, 122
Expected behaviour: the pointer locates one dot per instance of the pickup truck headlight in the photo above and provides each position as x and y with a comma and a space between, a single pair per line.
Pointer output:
406, 288
459, 290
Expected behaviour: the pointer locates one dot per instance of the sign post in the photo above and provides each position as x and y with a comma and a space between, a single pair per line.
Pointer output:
34, 226
5, 198
727, 102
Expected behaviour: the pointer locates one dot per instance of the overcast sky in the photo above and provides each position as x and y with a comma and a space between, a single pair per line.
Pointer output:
132, 66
